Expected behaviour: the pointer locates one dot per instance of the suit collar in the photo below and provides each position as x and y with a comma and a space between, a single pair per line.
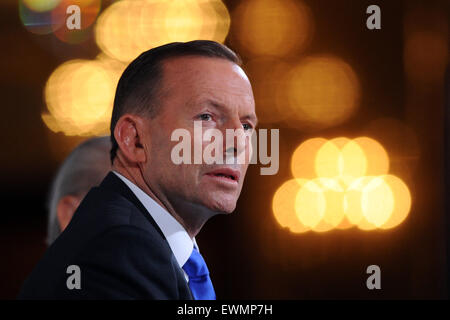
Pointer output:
114, 184
179, 241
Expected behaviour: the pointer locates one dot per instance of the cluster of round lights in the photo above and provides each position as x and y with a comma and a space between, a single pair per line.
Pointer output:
338, 184
80, 93
129, 27
50, 16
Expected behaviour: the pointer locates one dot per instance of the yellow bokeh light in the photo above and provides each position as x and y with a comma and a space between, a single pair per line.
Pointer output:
402, 203
184, 19
352, 200
272, 28
366, 225
117, 28
328, 160
310, 204
114, 68
345, 223
322, 226
333, 193
352, 161
283, 205
377, 160
303, 159
323, 91
41, 5
127, 28
341, 183
346, 162
219, 22
377, 201
340, 142
79, 96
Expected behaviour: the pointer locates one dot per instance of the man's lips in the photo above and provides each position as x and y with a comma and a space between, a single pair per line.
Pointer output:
227, 173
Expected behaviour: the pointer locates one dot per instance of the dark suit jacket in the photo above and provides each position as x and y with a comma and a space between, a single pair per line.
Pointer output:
120, 250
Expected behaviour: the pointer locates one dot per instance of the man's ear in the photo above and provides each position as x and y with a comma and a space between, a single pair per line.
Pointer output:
129, 136
65, 210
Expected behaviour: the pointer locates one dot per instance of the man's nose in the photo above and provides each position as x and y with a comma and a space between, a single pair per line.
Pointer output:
235, 139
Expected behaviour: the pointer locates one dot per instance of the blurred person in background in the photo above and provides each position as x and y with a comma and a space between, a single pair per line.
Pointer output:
83, 169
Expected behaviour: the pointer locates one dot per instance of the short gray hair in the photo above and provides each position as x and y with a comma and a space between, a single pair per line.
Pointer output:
84, 168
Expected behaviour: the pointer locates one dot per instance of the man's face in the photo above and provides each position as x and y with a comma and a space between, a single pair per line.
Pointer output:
218, 94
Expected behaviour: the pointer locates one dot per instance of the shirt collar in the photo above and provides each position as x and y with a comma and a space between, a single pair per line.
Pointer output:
179, 241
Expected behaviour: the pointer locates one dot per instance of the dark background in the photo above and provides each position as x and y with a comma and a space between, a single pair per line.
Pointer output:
249, 254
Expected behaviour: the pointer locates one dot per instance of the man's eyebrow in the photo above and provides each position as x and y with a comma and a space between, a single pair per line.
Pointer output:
215, 104
252, 117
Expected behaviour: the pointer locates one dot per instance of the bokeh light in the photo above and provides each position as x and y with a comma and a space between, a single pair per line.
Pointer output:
127, 28
333, 193
328, 160
267, 78
272, 28
323, 91
45, 17
283, 205
89, 10
377, 160
80, 93
310, 204
41, 5
402, 203
338, 184
183, 20
114, 68
352, 200
377, 201
37, 22
216, 19
340, 157
303, 161
79, 96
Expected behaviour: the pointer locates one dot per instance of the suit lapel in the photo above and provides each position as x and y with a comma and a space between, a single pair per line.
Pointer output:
113, 183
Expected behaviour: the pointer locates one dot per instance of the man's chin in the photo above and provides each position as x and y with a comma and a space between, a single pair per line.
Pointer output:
222, 207
217, 201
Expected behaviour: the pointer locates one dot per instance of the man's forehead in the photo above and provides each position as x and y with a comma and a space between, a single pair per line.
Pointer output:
205, 78
221, 99
202, 67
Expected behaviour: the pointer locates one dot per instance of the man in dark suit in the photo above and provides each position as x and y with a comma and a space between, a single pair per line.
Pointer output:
133, 237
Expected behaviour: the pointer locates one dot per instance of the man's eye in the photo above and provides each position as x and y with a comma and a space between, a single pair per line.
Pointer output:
247, 126
205, 117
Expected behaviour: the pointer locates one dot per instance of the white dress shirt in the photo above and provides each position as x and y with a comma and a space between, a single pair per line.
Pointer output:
179, 241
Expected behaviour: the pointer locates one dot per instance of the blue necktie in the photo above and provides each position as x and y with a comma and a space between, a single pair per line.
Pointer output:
199, 280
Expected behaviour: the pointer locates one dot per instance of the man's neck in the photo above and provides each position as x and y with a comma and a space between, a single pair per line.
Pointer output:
193, 219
